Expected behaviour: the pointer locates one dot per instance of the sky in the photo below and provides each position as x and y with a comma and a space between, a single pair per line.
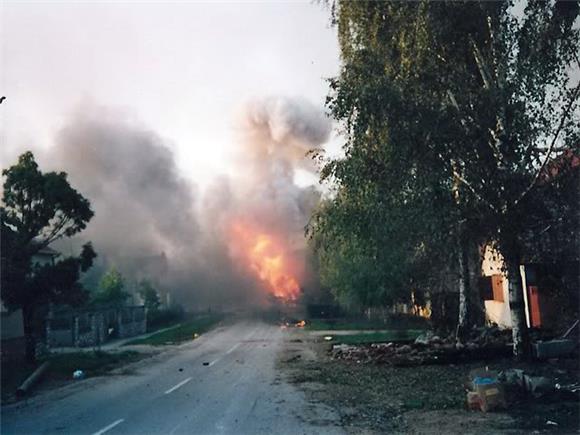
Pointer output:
181, 69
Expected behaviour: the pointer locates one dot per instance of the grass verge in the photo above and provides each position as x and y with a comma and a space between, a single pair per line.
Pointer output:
183, 332
378, 337
13, 374
62, 366
379, 398
96, 363
394, 323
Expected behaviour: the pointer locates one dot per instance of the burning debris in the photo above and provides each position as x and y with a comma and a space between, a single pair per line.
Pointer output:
267, 258
266, 215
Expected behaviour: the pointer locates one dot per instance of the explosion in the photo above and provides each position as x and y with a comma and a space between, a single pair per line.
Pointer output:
264, 255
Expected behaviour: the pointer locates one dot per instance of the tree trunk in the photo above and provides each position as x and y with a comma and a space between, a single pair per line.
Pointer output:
29, 338
476, 309
471, 310
521, 346
463, 319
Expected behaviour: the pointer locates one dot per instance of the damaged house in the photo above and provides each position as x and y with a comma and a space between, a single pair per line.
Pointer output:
550, 273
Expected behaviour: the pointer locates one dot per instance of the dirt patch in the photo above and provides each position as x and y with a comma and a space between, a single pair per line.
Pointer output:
372, 398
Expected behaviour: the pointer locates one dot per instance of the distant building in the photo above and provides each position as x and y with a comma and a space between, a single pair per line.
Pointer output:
12, 322
46, 255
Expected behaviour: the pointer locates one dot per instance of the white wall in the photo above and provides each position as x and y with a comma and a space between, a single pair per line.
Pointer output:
497, 312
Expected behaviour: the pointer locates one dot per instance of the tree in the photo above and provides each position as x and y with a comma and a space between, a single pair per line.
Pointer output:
39, 208
149, 295
523, 109
111, 289
398, 188
465, 100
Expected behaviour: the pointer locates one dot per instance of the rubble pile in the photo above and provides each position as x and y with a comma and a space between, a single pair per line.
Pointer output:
429, 349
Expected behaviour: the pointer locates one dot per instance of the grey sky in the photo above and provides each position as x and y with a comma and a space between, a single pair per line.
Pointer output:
180, 69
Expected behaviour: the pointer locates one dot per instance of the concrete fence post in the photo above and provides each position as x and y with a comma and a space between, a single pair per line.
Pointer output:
76, 331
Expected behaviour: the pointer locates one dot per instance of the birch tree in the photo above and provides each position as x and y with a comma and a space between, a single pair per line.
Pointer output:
471, 100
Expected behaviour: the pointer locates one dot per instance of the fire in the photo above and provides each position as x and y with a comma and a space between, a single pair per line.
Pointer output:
265, 256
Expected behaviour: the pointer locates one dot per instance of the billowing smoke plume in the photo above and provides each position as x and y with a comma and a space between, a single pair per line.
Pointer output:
274, 136
152, 223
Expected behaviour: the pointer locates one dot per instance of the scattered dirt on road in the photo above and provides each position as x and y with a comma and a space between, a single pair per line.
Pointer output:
372, 399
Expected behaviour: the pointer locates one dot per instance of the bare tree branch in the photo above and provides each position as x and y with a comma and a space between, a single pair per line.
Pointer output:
470, 187
552, 145
499, 85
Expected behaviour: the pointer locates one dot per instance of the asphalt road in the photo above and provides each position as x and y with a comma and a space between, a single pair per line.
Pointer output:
223, 383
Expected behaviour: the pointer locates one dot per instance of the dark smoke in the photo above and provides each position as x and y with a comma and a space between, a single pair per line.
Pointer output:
152, 223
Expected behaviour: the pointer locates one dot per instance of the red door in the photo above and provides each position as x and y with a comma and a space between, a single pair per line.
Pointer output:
534, 300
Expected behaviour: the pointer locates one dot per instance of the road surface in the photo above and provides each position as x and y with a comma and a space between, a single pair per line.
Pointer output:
223, 383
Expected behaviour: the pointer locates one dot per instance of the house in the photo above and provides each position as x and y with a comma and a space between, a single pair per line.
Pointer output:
45, 256
549, 281
550, 298
12, 322
12, 333
496, 292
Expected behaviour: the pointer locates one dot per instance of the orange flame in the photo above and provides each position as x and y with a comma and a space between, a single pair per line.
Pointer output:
264, 255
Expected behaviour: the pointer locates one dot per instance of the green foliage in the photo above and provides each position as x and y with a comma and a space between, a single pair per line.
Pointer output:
39, 208
59, 282
451, 111
149, 295
111, 289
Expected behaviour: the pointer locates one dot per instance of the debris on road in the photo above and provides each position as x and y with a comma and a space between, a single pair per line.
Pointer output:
484, 343
553, 348
78, 375
513, 378
294, 358
206, 363
428, 349
571, 391
538, 386
485, 391
328, 338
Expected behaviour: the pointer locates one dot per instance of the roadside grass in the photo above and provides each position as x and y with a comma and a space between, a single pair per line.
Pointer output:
379, 398
322, 325
13, 374
378, 337
397, 322
182, 332
162, 319
62, 366
95, 363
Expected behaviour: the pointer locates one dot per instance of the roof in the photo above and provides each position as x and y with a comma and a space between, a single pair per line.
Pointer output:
48, 252
565, 162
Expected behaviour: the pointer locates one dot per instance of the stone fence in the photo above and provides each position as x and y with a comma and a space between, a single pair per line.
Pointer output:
85, 328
